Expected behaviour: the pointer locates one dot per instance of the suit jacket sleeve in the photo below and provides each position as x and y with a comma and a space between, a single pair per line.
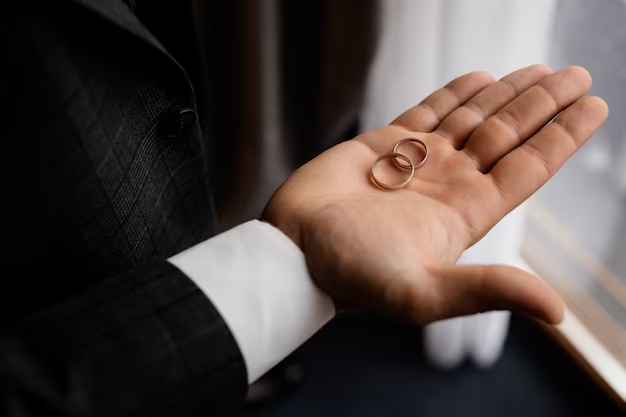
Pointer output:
146, 342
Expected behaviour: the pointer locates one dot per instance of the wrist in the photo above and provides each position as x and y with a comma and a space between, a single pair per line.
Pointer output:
273, 215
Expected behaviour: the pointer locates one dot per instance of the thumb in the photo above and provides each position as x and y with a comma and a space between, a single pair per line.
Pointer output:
468, 289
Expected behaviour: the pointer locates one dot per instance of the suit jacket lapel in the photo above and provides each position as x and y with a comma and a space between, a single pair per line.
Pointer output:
118, 13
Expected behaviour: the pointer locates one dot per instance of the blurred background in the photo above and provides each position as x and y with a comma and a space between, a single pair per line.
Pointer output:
280, 81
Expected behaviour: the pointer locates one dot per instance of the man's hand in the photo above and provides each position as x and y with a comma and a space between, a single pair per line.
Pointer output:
395, 252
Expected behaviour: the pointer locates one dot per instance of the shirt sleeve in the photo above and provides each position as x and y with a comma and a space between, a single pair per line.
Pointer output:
258, 280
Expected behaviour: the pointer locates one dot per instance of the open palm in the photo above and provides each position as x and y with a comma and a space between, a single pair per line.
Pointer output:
395, 251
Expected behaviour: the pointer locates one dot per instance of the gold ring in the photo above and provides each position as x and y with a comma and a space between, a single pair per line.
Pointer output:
422, 162
393, 155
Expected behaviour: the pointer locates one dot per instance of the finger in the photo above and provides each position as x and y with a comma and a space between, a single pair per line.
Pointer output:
459, 124
427, 115
521, 172
525, 115
470, 289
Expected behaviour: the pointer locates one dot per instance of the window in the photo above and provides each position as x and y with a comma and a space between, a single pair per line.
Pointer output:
576, 224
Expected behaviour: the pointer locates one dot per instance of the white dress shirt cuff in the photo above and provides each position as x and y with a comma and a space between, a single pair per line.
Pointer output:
257, 278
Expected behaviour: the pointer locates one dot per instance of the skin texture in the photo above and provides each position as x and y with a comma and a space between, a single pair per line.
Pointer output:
395, 252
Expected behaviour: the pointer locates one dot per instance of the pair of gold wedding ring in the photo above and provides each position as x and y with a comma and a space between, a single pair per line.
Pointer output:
401, 161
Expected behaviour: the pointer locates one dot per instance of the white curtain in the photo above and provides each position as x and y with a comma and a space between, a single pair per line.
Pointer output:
424, 44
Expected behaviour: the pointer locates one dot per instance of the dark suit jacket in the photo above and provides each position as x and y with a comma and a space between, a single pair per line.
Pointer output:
103, 177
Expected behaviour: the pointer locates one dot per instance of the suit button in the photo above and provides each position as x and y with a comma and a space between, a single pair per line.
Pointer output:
180, 122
